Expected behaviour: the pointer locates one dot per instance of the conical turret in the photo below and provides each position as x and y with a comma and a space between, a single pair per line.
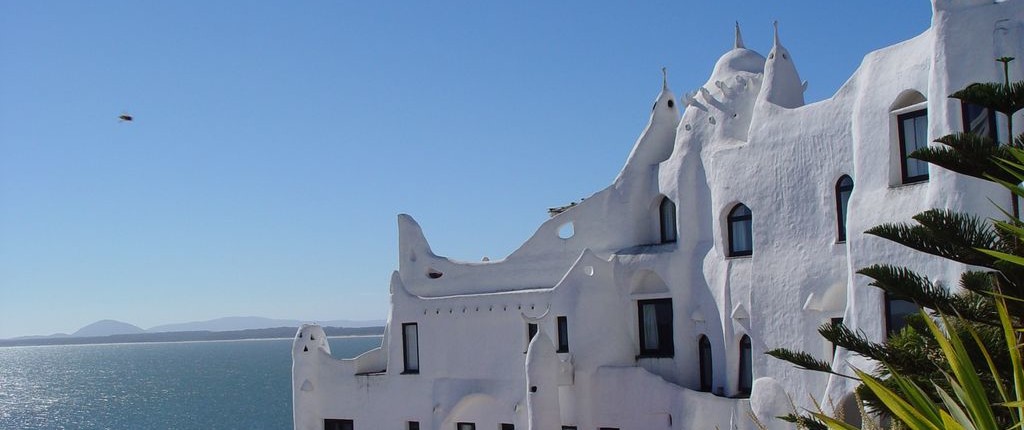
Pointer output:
782, 84
655, 143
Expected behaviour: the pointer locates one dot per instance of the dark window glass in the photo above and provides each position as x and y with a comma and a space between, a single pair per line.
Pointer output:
980, 120
568, 427
531, 331
563, 334
843, 190
896, 312
913, 131
465, 426
746, 366
668, 220
507, 426
411, 344
741, 240
335, 424
656, 328
836, 321
704, 353
414, 425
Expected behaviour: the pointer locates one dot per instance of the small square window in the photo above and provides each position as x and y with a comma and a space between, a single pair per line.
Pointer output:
508, 426
465, 426
413, 425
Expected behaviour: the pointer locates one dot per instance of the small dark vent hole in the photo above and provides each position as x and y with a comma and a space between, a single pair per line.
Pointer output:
304, 349
533, 388
671, 103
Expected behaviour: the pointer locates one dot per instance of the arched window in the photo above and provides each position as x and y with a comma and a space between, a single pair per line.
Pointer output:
740, 237
746, 366
704, 355
667, 210
843, 190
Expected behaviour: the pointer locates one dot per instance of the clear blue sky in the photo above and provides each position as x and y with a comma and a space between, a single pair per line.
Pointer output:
275, 142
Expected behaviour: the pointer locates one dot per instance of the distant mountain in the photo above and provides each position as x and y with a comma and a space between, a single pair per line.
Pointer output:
251, 323
106, 328
263, 333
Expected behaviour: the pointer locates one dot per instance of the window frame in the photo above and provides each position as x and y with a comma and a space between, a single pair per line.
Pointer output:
706, 369
841, 214
745, 381
337, 423
407, 370
992, 121
562, 326
465, 426
666, 342
732, 220
667, 224
910, 112
889, 329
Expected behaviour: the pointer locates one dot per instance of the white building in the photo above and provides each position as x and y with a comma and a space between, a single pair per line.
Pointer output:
730, 230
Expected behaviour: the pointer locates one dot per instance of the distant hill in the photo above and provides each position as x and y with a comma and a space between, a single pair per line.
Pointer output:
106, 328
247, 323
264, 333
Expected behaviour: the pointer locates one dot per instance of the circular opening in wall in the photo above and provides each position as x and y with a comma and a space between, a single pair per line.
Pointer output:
588, 270
434, 274
566, 230
711, 120
687, 127
671, 103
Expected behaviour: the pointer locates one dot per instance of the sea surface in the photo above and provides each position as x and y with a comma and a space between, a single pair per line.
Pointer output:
244, 384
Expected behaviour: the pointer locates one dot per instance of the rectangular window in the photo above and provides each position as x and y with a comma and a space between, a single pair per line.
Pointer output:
531, 331
980, 120
413, 425
335, 424
507, 426
568, 427
655, 328
836, 321
563, 334
465, 426
913, 132
411, 347
896, 312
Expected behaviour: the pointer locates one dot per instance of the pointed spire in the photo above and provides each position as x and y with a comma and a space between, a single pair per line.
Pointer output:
664, 78
739, 38
776, 24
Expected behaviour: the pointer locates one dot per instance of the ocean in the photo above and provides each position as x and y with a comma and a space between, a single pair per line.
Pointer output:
244, 384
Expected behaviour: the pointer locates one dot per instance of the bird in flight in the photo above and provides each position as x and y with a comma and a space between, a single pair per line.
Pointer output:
125, 118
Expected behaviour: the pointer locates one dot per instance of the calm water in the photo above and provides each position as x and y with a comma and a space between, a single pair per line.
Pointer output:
189, 385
